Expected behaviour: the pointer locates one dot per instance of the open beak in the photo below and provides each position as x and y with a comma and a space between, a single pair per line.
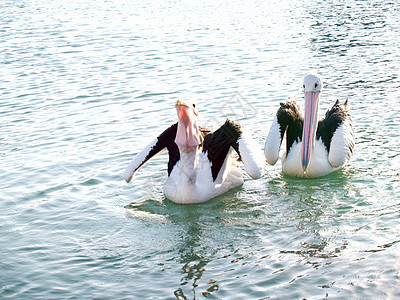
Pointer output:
188, 133
309, 127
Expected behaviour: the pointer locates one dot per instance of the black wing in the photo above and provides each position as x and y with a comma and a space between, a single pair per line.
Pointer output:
165, 140
231, 134
334, 117
288, 119
218, 143
336, 132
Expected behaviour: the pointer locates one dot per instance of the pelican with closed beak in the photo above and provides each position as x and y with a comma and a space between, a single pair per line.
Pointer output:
313, 148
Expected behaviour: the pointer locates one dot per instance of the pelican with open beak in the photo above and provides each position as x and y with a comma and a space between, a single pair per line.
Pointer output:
200, 165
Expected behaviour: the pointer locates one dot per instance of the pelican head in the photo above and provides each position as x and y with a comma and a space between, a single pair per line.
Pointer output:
312, 88
188, 132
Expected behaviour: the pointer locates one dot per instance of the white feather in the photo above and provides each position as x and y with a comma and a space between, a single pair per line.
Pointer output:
273, 143
342, 142
318, 166
191, 180
139, 158
252, 156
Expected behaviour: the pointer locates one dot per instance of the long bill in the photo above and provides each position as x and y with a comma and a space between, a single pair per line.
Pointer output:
309, 127
188, 133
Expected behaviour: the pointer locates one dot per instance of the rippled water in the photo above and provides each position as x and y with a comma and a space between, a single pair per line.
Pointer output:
85, 85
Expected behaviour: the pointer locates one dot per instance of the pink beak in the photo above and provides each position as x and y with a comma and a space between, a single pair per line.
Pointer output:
188, 133
309, 127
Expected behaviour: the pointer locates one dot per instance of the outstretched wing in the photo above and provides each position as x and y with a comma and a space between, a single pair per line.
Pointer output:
231, 134
164, 140
336, 132
288, 118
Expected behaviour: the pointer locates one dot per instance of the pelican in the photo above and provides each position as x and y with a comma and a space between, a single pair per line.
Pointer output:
200, 165
313, 148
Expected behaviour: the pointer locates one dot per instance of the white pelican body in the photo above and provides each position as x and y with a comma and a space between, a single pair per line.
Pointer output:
191, 179
313, 149
200, 164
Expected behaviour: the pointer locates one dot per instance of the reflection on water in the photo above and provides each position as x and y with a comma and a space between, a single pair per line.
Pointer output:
193, 262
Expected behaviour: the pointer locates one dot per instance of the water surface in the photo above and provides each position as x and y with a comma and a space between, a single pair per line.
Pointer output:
87, 84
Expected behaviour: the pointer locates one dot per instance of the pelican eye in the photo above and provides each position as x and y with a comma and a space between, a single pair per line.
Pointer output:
194, 105
315, 85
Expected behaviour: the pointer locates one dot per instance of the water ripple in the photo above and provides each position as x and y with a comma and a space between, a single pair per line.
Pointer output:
86, 85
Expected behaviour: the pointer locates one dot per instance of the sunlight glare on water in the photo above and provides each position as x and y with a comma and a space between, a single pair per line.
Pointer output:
85, 85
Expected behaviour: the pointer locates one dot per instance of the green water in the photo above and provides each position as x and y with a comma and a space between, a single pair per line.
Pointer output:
84, 85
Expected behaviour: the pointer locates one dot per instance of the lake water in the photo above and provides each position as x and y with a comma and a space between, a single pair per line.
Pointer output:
85, 85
